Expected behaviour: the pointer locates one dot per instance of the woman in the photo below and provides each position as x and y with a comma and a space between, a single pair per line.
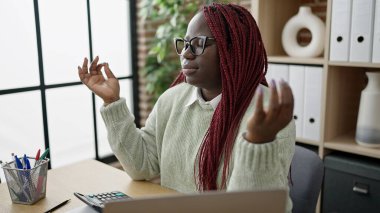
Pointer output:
207, 132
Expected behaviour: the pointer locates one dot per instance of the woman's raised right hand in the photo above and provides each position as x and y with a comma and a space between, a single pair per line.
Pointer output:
107, 89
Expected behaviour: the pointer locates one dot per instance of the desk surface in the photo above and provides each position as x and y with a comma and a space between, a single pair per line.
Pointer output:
86, 177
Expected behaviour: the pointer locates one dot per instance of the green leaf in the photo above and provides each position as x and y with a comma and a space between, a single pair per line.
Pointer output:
173, 20
161, 54
162, 31
155, 49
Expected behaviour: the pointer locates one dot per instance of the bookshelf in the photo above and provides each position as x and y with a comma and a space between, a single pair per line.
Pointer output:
342, 81
341, 85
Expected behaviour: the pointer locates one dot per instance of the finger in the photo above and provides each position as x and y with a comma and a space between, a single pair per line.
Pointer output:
108, 71
81, 73
93, 66
287, 100
83, 76
99, 68
259, 114
274, 106
84, 66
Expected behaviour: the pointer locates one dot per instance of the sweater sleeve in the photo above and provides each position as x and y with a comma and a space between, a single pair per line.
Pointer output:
135, 148
263, 166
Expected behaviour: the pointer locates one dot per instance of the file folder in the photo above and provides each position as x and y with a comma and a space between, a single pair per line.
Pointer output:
296, 82
278, 72
270, 71
362, 30
376, 35
313, 99
340, 30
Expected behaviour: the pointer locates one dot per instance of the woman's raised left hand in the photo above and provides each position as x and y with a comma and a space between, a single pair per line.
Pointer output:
264, 125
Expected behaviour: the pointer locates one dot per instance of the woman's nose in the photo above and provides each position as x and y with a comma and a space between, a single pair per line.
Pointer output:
186, 53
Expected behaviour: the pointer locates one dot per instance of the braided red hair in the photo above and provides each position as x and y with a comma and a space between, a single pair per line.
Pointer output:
243, 65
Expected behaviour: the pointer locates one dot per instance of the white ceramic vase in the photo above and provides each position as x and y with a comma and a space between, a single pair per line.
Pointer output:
304, 19
368, 125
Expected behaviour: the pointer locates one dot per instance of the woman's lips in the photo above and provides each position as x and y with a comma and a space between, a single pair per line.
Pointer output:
188, 71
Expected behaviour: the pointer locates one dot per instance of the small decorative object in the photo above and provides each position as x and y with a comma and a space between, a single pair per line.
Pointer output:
304, 19
368, 126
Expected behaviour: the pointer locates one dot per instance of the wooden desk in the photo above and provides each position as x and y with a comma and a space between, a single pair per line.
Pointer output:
86, 177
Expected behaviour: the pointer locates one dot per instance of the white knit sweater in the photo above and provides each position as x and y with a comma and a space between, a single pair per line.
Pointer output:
168, 144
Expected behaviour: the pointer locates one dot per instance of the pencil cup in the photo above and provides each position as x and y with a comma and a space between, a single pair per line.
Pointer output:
26, 186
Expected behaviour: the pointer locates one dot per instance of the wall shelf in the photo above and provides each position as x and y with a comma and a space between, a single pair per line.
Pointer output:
292, 60
307, 141
354, 64
346, 143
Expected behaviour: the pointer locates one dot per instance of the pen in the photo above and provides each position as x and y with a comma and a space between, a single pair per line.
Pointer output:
43, 156
18, 163
57, 206
37, 156
13, 157
26, 162
31, 189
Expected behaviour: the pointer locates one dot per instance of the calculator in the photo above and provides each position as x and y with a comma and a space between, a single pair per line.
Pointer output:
97, 201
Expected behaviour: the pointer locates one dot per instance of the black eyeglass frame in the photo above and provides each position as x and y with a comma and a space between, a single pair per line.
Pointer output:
187, 44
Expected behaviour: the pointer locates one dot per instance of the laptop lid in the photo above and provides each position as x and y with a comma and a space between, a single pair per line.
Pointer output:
220, 202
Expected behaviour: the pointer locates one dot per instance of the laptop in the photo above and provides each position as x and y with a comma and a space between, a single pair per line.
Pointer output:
220, 202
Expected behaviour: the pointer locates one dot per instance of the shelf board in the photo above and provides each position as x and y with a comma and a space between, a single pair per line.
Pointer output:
293, 60
307, 141
347, 143
354, 64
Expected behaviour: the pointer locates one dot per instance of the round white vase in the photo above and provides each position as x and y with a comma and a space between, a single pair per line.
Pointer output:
304, 19
368, 125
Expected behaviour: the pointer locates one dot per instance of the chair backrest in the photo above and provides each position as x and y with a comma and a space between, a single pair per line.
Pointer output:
307, 174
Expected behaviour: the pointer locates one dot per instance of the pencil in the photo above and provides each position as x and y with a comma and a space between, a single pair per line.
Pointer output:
57, 206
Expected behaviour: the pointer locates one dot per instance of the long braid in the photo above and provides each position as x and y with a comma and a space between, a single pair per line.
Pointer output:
243, 65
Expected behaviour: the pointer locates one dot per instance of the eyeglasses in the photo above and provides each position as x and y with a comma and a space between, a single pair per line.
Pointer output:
197, 45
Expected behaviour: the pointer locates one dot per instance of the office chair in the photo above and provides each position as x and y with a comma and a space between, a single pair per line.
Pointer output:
307, 174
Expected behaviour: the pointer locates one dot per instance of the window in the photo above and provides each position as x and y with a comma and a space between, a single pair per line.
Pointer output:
42, 102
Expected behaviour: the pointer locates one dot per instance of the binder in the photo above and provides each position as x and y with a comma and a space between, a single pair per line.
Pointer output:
362, 30
376, 35
340, 30
296, 82
278, 72
313, 99
270, 71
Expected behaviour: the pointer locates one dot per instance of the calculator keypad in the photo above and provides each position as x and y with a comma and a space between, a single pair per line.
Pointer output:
102, 198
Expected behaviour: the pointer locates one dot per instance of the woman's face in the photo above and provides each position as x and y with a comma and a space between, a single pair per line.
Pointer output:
201, 71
